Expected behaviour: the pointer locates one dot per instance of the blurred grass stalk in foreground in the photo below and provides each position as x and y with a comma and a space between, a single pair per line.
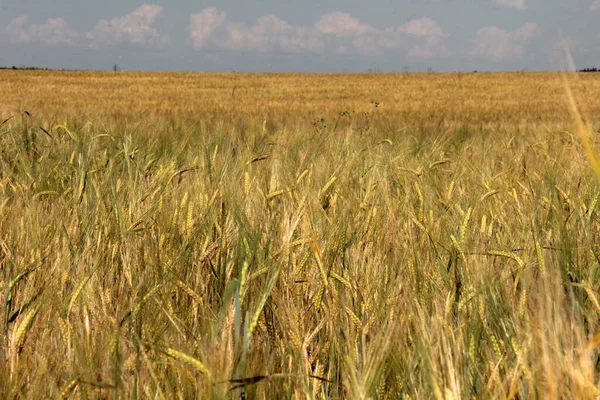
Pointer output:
578, 110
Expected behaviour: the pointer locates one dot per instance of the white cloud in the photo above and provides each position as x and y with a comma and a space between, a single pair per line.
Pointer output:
134, 28
203, 25
433, 47
432, 43
342, 24
422, 27
17, 31
497, 44
271, 33
345, 34
527, 31
516, 4
209, 28
54, 32
336, 32
595, 6
377, 43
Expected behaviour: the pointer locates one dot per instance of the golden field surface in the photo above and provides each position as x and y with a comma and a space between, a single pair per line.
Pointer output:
316, 236
516, 100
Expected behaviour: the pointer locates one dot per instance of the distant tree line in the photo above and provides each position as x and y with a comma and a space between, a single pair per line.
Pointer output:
26, 68
588, 70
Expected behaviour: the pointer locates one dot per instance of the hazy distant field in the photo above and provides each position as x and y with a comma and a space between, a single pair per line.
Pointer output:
375, 236
484, 99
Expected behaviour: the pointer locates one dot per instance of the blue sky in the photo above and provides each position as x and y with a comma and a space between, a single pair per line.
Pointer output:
309, 35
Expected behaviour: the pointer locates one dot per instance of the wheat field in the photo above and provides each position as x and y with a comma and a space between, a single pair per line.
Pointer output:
375, 236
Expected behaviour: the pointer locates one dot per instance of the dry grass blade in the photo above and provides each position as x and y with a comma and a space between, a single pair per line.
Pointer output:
439, 163
488, 195
181, 172
6, 120
252, 380
242, 382
46, 132
257, 159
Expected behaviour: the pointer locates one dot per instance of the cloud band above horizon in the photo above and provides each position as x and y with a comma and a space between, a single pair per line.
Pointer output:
339, 33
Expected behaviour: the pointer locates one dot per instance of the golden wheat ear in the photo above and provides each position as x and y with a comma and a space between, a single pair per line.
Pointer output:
578, 111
